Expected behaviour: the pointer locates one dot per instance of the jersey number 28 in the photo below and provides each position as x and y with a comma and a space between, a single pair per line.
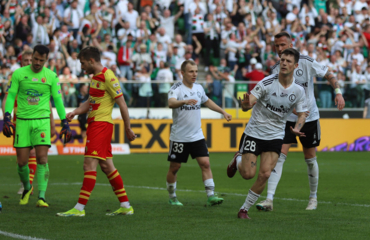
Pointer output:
250, 146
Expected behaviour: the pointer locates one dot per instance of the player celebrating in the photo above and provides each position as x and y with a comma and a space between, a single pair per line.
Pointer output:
32, 163
104, 91
186, 136
307, 69
33, 86
276, 97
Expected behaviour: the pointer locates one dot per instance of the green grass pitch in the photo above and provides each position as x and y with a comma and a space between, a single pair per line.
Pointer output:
343, 195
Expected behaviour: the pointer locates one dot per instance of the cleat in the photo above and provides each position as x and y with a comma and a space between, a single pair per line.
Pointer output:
25, 196
20, 191
122, 211
214, 200
243, 214
265, 205
231, 168
175, 202
312, 204
42, 203
72, 213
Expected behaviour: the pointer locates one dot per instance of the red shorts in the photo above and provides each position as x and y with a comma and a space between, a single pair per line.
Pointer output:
99, 136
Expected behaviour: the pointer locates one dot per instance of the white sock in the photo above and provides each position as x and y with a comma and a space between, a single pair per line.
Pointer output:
125, 204
313, 176
251, 199
238, 160
210, 187
275, 177
171, 188
80, 207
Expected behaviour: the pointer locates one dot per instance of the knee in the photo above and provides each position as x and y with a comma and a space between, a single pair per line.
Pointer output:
42, 159
87, 167
22, 163
205, 165
246, 175
264, 176
309, 155
105, 168
174, 169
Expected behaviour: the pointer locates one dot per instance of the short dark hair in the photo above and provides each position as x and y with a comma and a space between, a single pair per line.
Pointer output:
41, 49
185, 63
90, 52
292, 52
282, 34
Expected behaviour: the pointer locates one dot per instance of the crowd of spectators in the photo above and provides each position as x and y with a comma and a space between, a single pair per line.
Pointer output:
231, 40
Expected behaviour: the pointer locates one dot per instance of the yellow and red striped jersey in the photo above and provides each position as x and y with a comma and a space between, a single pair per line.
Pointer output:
104, 89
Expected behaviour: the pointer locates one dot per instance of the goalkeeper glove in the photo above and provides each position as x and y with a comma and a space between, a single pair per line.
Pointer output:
66, 131
8, 125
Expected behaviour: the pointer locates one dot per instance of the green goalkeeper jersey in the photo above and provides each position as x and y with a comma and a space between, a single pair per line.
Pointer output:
34, 91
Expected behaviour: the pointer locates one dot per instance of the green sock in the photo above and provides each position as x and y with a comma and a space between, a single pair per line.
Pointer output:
24, 174
42, 178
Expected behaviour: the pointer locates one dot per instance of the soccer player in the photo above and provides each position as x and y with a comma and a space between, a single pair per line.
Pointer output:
104, 92
307, 69
275, 98
185, 98
32, 163
33, 85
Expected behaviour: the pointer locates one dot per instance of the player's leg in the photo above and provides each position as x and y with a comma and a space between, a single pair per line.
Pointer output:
22, 143
268, 162
275, 176
21, 189
309, 143
42, 173
115, 180
32, 164
88, 185
178, 153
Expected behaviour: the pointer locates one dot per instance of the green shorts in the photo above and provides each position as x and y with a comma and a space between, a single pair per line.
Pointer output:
31, 133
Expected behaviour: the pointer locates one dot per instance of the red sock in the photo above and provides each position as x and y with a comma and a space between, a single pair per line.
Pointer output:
87, 187
32, 164
117, 185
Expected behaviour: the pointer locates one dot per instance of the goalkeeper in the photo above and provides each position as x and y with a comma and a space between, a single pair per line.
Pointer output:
34, 84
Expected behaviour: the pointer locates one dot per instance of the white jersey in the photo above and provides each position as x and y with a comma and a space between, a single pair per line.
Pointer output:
307, 69
273, 107
186, 125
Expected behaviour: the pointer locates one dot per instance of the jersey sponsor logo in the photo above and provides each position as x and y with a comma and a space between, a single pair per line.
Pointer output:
33, 96
112, 80
199, 94
283, 95
94, 153
33, 93
43, 80
292, 97
280, 109
116, 85
274, 94
118, 91
192, 93
188, 107
305, 84
299, 72
34, 79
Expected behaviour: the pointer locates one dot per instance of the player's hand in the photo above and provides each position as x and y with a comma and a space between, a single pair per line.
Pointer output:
70, 116
227, 116
66, 131
245, 102
339, 101
8, 125
191, 102
130, 134
297, 132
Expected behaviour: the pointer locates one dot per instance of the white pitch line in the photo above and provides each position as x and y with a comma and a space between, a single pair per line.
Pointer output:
17, 236
190, 190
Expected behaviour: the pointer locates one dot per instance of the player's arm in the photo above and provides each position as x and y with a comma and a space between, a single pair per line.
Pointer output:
3, 103
339, 100
365, 112
52, 123
126, 118
299, 124
83, 108
214, 107
12, 90
174, 103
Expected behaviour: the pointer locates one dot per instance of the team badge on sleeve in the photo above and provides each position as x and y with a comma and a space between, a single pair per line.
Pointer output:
59, 91
118, 91
115, 85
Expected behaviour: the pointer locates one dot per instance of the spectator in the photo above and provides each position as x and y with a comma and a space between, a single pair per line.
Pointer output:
73, 63
73, 17
68, 88
180, 45
142, 76
164, 74
124, 60
167, 21
212, 30
163, 38
357, 79
143, 58
131, 15
124, 32
366, 113
13, 64
255, 75
229, 87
